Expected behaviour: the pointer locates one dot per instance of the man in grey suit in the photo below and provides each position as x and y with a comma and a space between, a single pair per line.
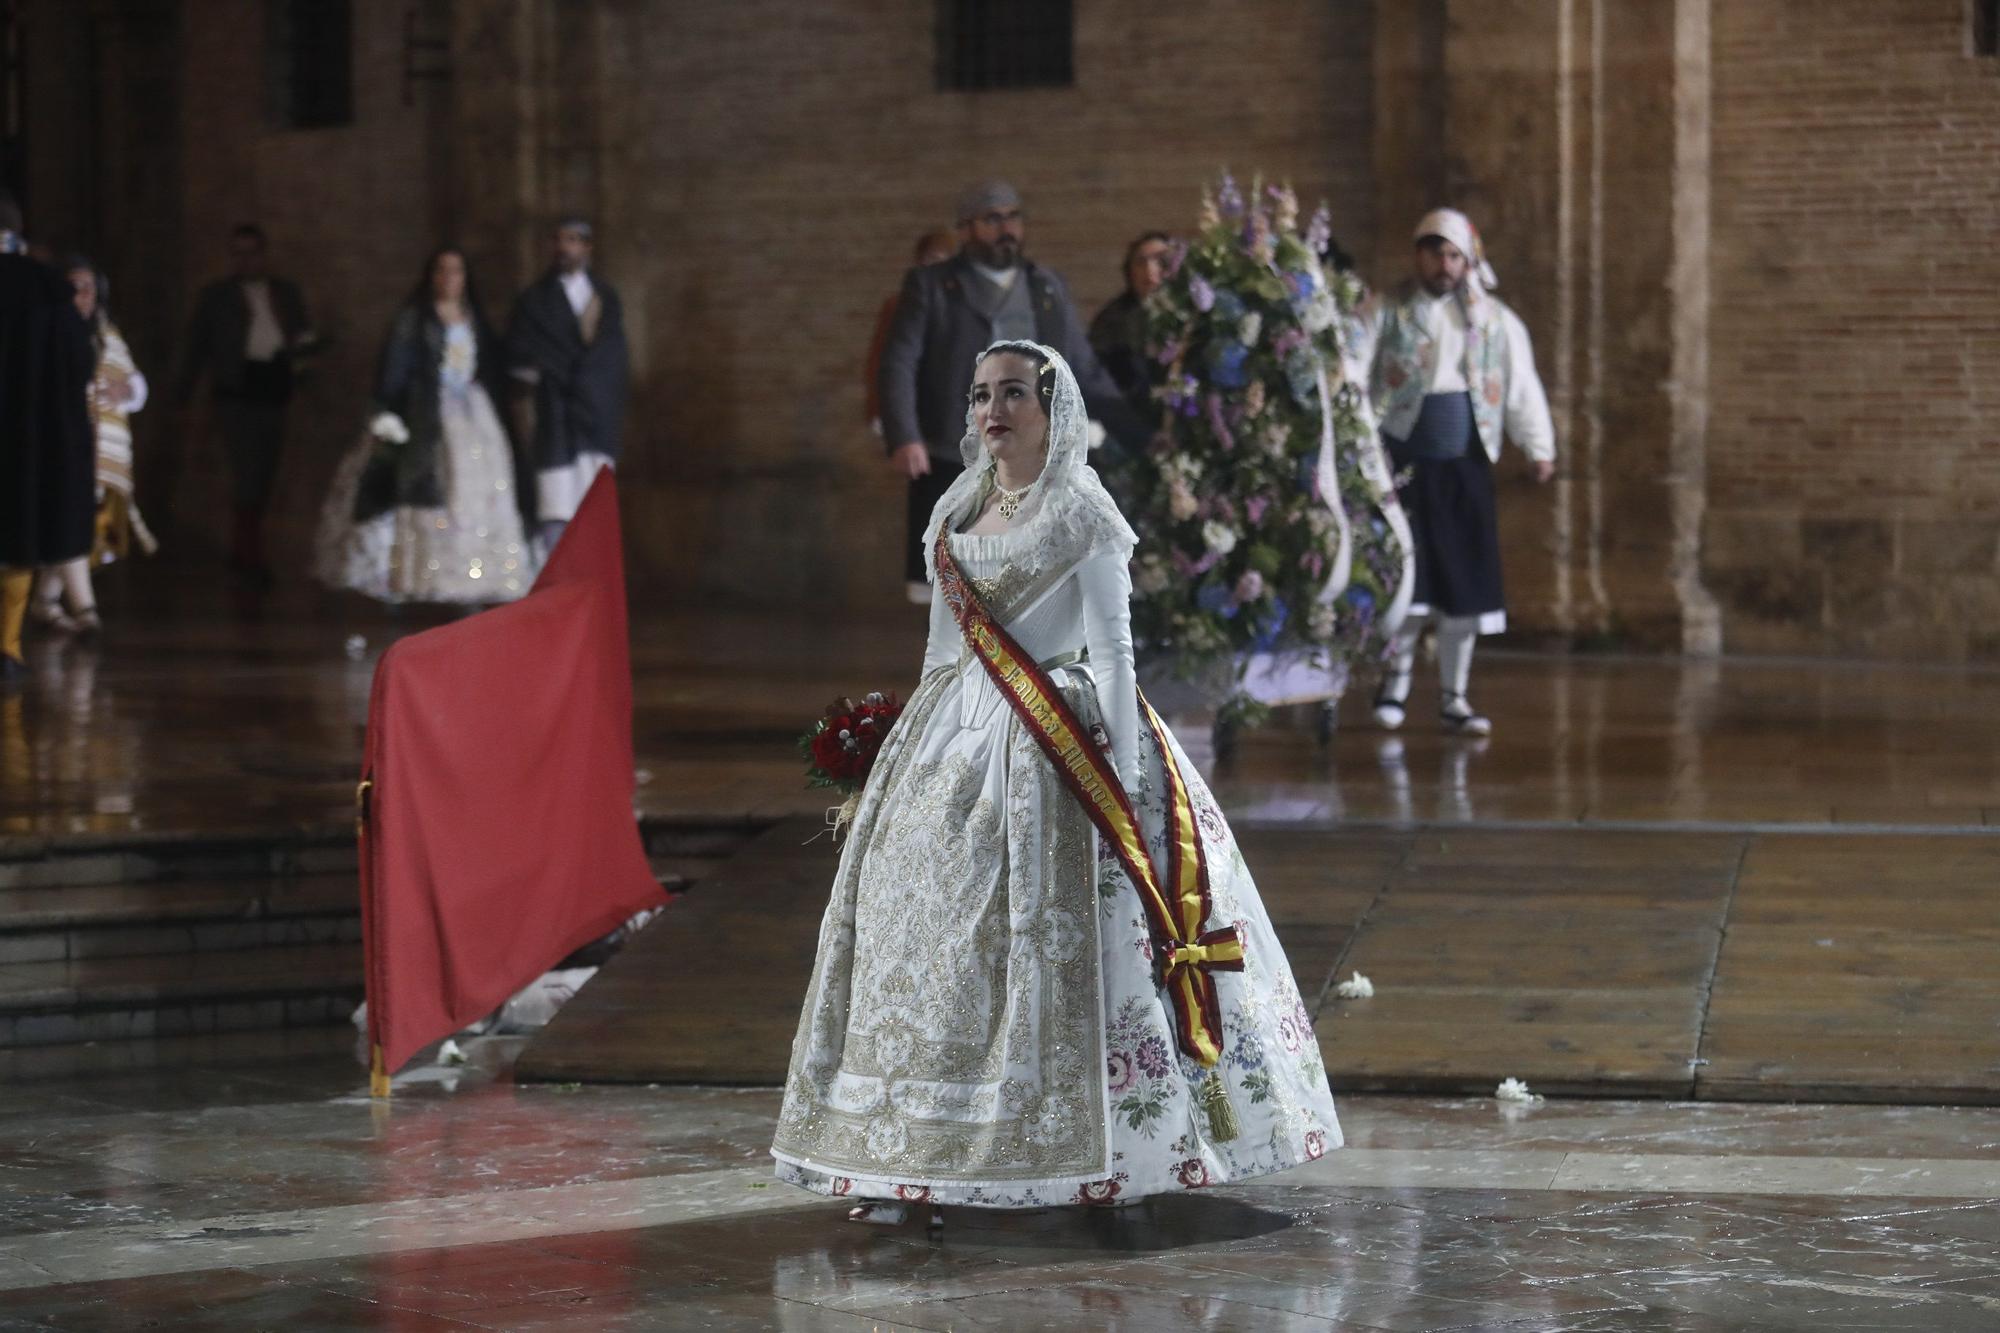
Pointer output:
946, 316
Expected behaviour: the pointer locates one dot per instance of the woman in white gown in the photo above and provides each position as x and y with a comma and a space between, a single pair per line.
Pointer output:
423, 508
1001, 1013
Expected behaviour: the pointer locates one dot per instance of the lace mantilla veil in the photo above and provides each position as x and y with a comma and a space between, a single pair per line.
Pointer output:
1067, 516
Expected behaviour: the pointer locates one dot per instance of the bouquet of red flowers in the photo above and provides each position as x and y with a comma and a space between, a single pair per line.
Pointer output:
841, 746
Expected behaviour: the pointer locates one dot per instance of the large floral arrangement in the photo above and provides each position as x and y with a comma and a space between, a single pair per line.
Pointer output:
1236, 510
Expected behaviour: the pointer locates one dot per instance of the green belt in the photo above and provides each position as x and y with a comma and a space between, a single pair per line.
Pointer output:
1074, 657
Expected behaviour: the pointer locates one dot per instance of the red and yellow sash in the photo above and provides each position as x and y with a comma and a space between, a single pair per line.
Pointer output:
1186, 954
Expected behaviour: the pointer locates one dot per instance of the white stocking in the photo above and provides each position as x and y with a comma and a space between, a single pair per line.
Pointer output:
75, 576
1402, 659
1456, 635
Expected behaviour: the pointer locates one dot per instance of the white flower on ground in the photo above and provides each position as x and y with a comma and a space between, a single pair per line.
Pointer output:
1356, 987
389, 427
1514, 1090
1219, 537
450, 1054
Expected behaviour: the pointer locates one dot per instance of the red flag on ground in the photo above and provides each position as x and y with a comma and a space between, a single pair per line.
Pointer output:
498, 832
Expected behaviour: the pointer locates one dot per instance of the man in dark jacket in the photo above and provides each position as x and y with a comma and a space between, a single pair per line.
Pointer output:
48, 456
946, 316
248, 331
567, 354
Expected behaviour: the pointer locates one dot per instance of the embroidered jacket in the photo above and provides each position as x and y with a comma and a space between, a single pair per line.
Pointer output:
1395, 347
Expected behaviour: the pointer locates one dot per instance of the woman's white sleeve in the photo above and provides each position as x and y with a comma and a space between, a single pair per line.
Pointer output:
1106, 584
941, 649
136, 392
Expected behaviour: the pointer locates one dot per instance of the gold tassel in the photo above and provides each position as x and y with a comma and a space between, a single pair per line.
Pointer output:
378, 1077
1222, 1123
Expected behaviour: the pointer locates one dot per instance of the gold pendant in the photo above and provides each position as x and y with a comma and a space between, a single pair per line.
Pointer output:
1010, 504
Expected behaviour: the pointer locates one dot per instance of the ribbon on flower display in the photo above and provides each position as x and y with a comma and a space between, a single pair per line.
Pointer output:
1187, 955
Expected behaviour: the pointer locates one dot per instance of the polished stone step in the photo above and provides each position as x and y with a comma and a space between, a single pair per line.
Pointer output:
55, 924
170, 995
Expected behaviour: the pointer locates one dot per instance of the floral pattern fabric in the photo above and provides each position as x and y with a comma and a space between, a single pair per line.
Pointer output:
983, 1025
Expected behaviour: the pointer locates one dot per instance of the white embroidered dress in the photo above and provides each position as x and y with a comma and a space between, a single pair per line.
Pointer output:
472, 550
983, 1025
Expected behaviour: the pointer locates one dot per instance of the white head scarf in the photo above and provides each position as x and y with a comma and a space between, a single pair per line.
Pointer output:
1067, 515
1454, 226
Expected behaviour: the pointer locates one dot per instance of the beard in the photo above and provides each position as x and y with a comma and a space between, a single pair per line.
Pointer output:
1003, 253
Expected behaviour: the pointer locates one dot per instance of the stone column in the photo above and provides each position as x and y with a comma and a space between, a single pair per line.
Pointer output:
1575, 135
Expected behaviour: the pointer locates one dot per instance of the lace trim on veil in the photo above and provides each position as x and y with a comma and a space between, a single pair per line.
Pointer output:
1067, 515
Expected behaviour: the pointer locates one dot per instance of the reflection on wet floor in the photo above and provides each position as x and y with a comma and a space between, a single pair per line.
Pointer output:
281, 1197
202, 723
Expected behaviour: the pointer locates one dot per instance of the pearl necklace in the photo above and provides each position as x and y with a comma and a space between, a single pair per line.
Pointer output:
1010, 501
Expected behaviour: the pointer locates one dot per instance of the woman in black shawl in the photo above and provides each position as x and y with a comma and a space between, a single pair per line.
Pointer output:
424, 508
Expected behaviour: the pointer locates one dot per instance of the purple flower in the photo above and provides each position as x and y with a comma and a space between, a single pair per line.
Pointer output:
1312, 563
1255, 507
1282, 345
1119, 1070
1202, 293
1217, 424
1229, 198
1152, 1055
1191, 568
1319, 231
1169, 353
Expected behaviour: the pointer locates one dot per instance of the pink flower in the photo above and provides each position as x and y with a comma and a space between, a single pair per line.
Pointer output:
1193, 1173
1120, 1071
1097, 1191
1250, 587
1315, 1144
1255, 507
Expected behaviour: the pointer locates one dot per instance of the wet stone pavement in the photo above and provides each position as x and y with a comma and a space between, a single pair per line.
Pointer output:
280, 1196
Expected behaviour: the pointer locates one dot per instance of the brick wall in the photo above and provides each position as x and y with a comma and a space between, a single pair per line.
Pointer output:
760, 170
350, 211
1854, 422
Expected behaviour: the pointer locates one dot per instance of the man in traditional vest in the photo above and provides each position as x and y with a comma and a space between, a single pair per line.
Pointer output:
1450, 371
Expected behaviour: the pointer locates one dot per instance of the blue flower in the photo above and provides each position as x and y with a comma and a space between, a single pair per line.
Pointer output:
1361, 598
1271, 625
1226, 364
1216, 599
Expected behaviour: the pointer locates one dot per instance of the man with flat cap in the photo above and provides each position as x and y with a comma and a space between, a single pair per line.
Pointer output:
567, 354
1450, 372
946, 316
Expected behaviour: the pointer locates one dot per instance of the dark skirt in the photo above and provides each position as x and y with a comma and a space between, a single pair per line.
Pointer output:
1457, 534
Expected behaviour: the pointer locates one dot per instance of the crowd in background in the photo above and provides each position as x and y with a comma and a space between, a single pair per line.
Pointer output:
478, 447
